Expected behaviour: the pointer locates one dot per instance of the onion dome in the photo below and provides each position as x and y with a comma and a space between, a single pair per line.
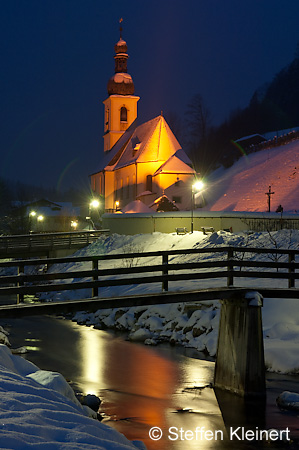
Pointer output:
121, 46
121, 83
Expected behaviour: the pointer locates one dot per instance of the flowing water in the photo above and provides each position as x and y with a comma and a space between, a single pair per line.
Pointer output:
143, 387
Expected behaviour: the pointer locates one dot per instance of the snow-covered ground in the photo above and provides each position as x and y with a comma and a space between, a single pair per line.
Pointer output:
242, 187
177, 322
39, 410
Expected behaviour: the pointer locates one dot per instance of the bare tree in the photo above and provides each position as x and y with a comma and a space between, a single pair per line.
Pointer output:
198, 126
198, 119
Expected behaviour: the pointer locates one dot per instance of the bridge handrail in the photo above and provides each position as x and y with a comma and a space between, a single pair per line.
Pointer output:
58, 233
128, 255
45, 242
229, 262
108, 272
153, 268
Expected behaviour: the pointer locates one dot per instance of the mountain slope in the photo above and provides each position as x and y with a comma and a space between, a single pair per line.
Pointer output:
243, 186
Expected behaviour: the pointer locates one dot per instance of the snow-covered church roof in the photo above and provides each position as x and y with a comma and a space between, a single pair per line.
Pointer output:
111, 157
137, 206
151, 141
175, 165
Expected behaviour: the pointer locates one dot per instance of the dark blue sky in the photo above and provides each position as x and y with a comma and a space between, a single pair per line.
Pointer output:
57, 56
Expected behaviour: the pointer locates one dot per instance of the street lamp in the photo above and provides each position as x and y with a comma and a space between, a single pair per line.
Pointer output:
31, 215
195, 188
93, 204
40, 219
74, 224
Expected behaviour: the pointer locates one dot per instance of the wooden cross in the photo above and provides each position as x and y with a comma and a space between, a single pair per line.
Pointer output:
269, 193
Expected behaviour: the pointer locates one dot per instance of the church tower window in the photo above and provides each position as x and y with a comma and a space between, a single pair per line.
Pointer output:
106, 128
123, 114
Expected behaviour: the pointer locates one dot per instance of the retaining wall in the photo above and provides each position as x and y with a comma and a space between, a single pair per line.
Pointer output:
167, 222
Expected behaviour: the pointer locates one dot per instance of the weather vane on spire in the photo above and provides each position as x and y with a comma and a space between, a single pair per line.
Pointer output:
120, 27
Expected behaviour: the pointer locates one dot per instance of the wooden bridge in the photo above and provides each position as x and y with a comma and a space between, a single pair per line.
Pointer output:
45, 244
233, 278
234, 267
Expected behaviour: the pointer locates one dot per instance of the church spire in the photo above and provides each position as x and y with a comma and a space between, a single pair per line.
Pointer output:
121, 55
121, 104
121, 83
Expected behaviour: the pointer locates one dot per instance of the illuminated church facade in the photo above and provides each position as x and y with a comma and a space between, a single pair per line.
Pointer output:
142, 163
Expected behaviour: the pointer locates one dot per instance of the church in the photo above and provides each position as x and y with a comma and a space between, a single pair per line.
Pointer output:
141, 165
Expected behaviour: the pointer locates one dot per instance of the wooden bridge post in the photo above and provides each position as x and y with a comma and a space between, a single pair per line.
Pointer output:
21, 270
95, 266
230, 270
240, 365
165, 271
291, 269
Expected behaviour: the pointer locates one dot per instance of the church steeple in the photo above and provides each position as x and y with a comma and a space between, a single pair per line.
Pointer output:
121, 55
121, 105
121, 82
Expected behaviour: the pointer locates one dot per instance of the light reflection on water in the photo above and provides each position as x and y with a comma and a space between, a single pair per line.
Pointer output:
29, 347
141, 386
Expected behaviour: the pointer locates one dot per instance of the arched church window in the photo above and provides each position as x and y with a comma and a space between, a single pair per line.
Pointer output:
123, 114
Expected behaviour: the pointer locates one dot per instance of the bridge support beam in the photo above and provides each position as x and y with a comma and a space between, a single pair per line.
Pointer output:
240, 366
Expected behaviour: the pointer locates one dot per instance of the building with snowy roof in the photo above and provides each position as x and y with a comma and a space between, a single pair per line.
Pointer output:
141, 162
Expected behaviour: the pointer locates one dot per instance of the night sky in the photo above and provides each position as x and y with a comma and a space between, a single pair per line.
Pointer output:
57, 57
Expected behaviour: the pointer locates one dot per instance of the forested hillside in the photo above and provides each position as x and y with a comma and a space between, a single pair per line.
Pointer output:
273, 107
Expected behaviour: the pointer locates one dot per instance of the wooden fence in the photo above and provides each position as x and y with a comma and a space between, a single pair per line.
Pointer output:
230, 264
32, 243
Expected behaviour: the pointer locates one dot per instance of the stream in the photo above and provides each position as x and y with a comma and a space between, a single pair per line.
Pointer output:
143, 387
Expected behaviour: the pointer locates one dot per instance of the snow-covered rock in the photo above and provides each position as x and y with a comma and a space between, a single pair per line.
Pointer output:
140, 335
288, 400
4, 339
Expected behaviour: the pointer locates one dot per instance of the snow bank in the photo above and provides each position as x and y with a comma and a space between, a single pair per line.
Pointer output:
39, 410
196, 328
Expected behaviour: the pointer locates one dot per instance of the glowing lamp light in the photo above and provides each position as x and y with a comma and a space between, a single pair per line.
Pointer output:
116, 204
32, 213
94, 203
198, 186
74, 224
40, 218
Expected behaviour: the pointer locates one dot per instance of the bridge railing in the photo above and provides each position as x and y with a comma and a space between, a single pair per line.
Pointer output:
229, 265
40, 241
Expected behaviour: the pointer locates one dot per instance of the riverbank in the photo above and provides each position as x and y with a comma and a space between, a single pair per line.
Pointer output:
190, 325
39, 408
280, 316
